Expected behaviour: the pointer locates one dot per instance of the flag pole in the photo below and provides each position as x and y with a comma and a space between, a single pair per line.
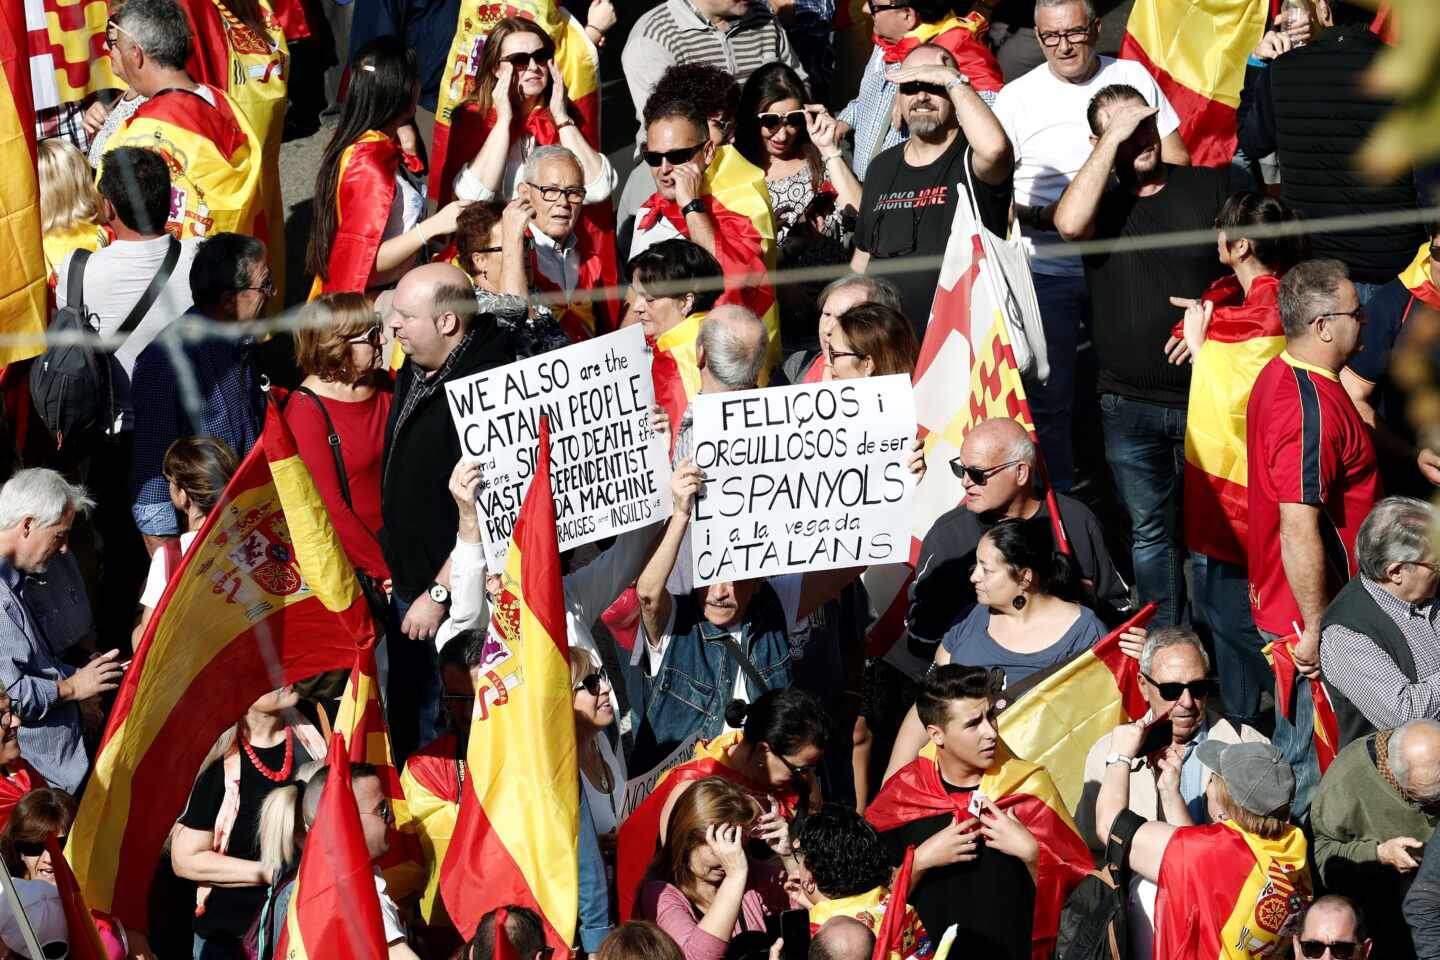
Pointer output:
12, 897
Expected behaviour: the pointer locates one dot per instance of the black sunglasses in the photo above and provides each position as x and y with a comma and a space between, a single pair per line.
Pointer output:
1170, 692
522, 60
590, 683
978, 475
770, 121
912, 87
676, 157
1340, 949
797, 771
34, 848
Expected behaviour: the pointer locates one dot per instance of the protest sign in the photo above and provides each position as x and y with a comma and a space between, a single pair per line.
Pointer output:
809, 477
609, 471
638, 788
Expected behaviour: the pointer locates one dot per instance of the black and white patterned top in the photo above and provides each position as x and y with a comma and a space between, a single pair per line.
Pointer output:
791, 196
536, 330
1355, 664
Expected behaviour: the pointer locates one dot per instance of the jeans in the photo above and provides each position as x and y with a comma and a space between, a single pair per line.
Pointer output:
1145, 447
1064, 306
1295, 739
413, 689
1222, 603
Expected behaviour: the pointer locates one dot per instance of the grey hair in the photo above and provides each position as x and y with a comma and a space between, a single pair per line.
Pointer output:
1398, 530
42, 495
550, 152
1400, 766
1165, 637
159, 28
877, 290
736, 344
1087, 4
1307, 290
1023, 449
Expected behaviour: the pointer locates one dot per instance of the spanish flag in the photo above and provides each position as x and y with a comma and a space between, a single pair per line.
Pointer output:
1229, 895
85, 942
334, 909
22, 271
590, 311
364, 192
516, 835
1196, 51
1244, 334
265, 596
1056, 721
1327, 726
1416, 278
901, 934
961, 37
1013, 786
361, 720
575, 55
433, 783
639, 835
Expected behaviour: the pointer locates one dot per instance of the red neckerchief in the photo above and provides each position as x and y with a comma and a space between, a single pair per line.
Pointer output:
657, 207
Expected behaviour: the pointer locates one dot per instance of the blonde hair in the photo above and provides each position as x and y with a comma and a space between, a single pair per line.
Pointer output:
281, 829
1271, 826
68, 197
583, 662
711, 801
322, 347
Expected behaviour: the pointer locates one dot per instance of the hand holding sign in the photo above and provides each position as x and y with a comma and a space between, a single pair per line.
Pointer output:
685, 484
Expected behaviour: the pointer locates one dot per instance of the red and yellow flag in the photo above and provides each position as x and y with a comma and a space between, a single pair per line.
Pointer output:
22, 269
265, 596
432, 781
68, 59
516, 836
575, 55
1281, 655
85, 942
1196, 51
1244, 334
1416, 278
361, 720
334, 909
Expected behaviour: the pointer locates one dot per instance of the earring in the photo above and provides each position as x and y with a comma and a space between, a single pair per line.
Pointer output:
1019, 602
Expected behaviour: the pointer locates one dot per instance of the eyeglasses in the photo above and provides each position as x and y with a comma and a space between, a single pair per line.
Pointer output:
1358, 314
591, 682
911, 87
1339, 949
522, 60
111, 29
882, 7
979, 476
1170, 692
1435, 252
373, 336
265, 289
383, 811
34, 848
770, 120
797, 771
1052, 38
551, 194
834, 355
676, 157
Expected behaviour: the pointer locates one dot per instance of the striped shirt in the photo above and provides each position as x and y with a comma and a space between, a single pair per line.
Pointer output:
675, 32
1356, 666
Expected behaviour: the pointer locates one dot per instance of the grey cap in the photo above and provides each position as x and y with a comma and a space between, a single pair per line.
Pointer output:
1257, 774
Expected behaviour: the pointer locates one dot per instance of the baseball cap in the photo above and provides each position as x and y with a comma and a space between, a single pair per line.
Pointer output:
1257, 774
41, 903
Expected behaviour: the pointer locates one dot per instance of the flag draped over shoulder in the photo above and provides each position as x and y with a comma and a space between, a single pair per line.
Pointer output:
1196, 50
1327, 726
85, 942
265, 596
1244, 334
575, 55
361, 720
334, 909
22, 269
1056, 721
1416, 278
516, 835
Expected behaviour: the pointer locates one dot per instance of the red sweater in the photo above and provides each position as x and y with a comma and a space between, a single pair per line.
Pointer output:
361, 428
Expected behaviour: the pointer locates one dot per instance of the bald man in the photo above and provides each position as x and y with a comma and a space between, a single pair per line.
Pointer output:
433, 317
1336, 924
842, 938
731, 349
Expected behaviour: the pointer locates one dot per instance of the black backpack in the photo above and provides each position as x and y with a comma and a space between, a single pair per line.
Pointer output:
72, 383
1093, 923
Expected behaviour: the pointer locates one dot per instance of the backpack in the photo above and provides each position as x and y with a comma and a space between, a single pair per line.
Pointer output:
72, 382
1093, 922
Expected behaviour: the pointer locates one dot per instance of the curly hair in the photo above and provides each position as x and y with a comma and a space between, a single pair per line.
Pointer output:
711, 89
843, 852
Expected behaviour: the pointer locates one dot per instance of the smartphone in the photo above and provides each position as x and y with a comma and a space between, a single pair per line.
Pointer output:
1158, 735
795, 930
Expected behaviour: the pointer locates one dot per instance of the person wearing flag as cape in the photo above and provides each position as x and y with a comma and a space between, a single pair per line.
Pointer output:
996, 852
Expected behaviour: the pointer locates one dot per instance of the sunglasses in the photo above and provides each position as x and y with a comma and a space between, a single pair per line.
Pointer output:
373, 336
34, 848
591, 682
384, 812
1340, 949
551, 194
676, 157
912, 87
1170, 692
797, 771
978, 475
522, 60
770, 121
265, 289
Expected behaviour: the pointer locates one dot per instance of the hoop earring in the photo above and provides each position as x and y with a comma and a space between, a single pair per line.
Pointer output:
1019, 602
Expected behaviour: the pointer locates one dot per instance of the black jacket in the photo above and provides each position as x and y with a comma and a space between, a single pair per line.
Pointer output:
420, 516
1311, 106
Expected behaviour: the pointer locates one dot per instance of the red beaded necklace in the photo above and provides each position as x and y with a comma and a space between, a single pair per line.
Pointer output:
281, 775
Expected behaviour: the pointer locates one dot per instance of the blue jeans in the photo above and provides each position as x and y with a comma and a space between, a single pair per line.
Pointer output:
413, 688
1145, 447
1222, 603
1064, 306
1295, 739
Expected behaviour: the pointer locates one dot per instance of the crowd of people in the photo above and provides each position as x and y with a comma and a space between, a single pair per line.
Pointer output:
1218, 433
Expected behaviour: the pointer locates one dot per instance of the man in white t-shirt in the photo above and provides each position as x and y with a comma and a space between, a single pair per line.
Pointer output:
1043, 113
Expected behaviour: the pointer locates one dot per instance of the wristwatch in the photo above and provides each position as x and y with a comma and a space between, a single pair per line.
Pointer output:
1120, 758
957, 81
694, 206
439, 593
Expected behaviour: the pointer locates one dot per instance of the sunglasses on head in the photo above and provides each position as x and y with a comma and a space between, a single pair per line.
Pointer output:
1340, 949
770, 121
676, 157
591, 682
522, 60
1170, 692
912, 87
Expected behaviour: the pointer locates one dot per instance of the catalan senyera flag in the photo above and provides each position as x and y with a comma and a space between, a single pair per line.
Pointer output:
1244, 334
1013, 786
1196, 51
516, 835
575, 55
334, 909
361, 720
265, 596
1055, 722
85, 942
1327, 726
22, 269
68, 59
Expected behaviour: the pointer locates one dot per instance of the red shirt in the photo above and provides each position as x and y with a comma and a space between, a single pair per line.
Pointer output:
1306, 443
361, 428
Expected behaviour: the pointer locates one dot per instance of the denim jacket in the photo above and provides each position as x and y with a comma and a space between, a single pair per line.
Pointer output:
696, 677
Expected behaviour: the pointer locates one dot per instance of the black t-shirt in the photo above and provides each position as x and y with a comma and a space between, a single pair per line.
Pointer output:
230, 911
907, 211
991, 899
1130, 291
